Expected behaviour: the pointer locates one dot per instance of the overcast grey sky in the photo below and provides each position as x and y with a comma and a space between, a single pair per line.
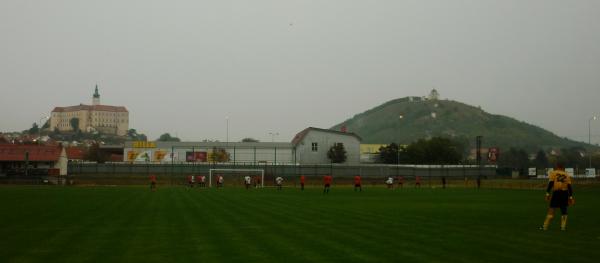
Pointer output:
280, 66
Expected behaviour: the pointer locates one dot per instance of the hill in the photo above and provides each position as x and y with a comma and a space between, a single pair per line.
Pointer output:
408, 119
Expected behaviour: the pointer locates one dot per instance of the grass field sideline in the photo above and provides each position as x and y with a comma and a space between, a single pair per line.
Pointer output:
176, 224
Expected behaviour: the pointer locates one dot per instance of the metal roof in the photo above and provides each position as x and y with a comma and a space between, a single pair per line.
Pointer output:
16, 152
303, 133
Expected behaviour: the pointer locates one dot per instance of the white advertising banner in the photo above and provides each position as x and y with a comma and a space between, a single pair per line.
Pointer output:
590, 172
570, 171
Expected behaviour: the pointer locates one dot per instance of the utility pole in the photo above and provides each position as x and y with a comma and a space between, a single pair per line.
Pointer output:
227, 139
590, 138
478, 142
26, 163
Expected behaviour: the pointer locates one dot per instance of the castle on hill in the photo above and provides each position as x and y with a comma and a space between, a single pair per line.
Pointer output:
89, 118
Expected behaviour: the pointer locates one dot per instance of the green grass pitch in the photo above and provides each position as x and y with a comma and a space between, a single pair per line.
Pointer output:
176, 224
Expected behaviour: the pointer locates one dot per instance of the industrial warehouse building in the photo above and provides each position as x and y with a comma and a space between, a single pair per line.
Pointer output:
203, 152
310, 146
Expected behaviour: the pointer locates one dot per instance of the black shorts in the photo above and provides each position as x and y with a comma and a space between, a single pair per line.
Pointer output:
356, 185
559, 199
326, 185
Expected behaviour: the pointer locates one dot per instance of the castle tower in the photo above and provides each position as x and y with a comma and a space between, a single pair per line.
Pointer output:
96, 98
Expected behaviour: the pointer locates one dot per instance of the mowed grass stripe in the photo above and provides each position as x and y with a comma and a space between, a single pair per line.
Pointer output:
229, 236
72, 227
263, 234
348, 237
122, 222
276, 236
176, 224
58, 227
203, 217
460, 229
101, 224
315, 224
304, 243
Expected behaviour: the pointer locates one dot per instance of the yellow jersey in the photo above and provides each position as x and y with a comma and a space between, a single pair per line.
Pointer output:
561, 180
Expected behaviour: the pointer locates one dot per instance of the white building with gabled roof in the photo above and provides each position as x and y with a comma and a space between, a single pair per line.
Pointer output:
312, 144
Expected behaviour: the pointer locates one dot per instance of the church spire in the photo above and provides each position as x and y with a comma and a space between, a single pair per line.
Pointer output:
96, 97
96, 94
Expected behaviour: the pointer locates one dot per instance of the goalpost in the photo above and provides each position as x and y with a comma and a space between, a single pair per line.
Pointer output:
238, 171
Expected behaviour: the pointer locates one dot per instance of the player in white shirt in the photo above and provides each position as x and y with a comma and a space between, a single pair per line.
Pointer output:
247, 181
202, 181
279, 182
390, 182
220, 181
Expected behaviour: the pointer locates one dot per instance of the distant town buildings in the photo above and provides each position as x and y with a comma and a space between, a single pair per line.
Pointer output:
89, 118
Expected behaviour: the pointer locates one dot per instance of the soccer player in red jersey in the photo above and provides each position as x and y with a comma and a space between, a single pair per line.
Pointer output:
257, 181
418, 181
327, 179
357, 183
153, 183
400, 181
302, 181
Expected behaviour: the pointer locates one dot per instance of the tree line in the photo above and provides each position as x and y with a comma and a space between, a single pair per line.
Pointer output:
445, 151
437, 150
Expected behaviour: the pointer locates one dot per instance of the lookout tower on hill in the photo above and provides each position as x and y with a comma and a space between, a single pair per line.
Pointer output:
433, 95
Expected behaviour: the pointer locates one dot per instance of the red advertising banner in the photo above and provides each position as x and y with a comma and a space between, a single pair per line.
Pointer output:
195, 157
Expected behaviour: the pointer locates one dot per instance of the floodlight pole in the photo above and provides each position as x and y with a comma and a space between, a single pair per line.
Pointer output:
398, 160
478, 142
172, 163
593, 118
26, 163
227, 119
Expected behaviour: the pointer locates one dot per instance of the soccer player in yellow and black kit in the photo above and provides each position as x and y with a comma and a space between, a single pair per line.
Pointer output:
560, 194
